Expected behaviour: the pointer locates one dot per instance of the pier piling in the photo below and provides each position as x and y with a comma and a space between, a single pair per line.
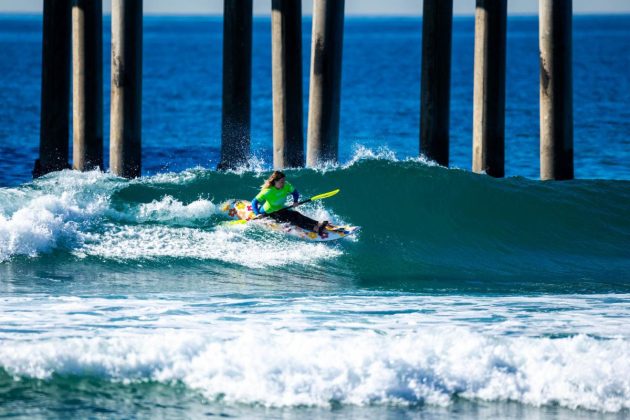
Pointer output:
126, 97
489, 90
437, 22
237, 83
55, 99
556, 90
288, 137
325, 82
87, 99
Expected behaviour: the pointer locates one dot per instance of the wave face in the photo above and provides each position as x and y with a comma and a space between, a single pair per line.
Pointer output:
423, 226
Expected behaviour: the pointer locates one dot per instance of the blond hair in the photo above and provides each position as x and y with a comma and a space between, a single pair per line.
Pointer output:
275, 176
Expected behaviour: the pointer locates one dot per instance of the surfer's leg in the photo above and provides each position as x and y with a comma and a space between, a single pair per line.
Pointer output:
282, 216
295, 218
309, 224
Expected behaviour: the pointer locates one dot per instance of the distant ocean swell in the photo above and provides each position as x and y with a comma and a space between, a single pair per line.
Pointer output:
417, 220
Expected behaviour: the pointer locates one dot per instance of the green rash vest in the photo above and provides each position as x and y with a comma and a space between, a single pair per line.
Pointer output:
274, 198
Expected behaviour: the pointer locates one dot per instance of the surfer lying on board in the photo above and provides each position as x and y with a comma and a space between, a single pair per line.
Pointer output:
271, 198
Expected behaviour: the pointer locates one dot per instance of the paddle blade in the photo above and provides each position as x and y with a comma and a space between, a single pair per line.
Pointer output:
324, 195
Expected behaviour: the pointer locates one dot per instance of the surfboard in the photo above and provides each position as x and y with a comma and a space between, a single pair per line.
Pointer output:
242, 210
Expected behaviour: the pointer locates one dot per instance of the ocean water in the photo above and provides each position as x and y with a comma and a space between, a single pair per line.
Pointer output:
462, 296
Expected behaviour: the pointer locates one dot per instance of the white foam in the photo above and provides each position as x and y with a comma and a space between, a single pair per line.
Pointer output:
168, 209
36, 220
320, 350
177, 178
283, 368
362, 153
254, 163
223, 244
257, 165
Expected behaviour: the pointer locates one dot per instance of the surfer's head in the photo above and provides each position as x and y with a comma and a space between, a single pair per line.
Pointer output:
276, 179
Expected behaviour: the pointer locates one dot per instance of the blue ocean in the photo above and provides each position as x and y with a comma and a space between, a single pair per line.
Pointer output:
463, 296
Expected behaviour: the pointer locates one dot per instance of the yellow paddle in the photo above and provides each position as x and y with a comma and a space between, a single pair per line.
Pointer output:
319, 197
308, 200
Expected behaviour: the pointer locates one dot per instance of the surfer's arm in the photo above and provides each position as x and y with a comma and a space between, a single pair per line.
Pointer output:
257, 207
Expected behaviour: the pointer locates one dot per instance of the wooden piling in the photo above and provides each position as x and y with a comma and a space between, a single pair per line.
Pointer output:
55, 99
126, 97
556, 90
325, 82
288, 137
489, 91
437, 22
87, 99
237, 82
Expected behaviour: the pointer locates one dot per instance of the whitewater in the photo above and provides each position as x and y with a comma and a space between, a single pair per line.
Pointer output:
322, 350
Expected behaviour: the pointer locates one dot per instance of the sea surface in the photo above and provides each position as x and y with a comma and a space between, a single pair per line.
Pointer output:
462, 296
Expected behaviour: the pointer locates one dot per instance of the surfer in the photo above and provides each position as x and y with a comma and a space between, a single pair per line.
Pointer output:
271, 199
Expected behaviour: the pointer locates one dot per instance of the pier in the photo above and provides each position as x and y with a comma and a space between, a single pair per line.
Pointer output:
286, 71
80, 21
87, 87
125, 147
237, 83
437, 22
325, 82
556, 90
489, 89
55, 102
